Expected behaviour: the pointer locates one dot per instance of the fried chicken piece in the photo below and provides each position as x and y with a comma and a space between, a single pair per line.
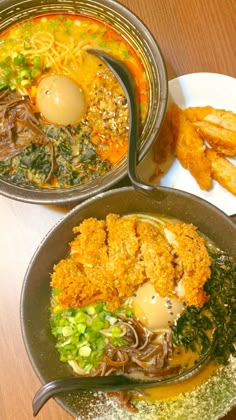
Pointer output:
219, 138
192, 262
220, 117
157, 259
164, 141
123, 247
222, 170
89, 247
81, 287
110, 259
189, 148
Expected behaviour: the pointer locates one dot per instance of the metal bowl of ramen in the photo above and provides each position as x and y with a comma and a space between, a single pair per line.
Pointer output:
64, 125
41, 336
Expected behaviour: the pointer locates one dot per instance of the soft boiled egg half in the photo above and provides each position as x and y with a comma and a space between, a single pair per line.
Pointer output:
154, 311
60, 100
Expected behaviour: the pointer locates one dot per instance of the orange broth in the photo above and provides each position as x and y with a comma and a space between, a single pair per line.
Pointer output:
58, 43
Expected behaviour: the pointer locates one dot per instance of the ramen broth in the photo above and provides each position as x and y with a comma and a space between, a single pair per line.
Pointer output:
76, 111
135, 307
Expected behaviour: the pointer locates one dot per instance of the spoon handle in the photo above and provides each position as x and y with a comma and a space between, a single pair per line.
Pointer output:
96, 383
111, 383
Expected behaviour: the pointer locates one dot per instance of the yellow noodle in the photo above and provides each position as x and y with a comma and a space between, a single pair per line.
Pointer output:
40, 41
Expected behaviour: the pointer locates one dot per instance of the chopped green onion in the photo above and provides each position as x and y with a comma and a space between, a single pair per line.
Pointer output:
85, 351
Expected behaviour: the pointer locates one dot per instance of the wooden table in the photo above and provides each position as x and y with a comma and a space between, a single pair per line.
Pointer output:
194, 36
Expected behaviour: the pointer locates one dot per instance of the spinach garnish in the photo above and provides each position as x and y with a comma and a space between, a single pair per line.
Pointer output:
76, 159
219, 313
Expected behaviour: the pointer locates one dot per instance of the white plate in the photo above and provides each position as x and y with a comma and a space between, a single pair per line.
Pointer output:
197, 89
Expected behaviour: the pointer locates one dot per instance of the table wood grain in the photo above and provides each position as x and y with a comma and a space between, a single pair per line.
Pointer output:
194, 36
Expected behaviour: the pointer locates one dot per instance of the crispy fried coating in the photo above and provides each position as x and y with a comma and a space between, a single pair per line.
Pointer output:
89, 252
157, 259
222, 170
123, 253
189, 148
221, 139
82, 287
192, 262
220, 117
189, 132
164, 141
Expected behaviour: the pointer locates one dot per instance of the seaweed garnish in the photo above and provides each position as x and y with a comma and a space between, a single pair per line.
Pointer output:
217, 314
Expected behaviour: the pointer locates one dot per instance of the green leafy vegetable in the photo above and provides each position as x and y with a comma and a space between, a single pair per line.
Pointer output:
218, 313
222, 305
76, 159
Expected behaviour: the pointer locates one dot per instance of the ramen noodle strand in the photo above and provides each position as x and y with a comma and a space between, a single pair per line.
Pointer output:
39, 39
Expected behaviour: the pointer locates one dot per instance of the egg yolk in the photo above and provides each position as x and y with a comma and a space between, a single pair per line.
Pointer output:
60, 100
153, 311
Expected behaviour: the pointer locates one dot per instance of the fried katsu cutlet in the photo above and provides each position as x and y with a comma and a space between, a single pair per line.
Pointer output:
220, 117
165, 139
123, 246
222, 170
82, 286
110, 259
189, 148
86, 251
220, 138
192, 262
157, 259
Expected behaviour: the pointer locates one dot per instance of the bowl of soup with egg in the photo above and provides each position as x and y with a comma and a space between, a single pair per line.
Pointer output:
138, 284
64, 115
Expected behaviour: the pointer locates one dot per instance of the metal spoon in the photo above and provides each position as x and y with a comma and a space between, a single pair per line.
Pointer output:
124, 77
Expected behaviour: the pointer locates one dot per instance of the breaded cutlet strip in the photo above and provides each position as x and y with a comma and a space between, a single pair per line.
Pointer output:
190, 148
221, 139
81, 287
222, 170
157, 259
220, 117
123, 248
164, 141
192, 262
89, 247
132, 252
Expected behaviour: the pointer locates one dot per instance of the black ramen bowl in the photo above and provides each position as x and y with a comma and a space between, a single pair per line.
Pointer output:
145, 46
36, 291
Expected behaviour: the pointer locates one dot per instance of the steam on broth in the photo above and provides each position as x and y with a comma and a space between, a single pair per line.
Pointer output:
139, 295
64, 116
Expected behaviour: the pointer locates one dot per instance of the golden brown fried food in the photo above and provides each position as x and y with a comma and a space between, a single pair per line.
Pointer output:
192, 262
164, 140
189, 148
157, 259
81, 287
174, 259
89, 252
190, 130
220, 117
222, 170
220, 139
123, 246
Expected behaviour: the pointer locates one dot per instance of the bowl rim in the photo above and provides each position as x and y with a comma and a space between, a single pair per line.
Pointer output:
69, 219
116, 174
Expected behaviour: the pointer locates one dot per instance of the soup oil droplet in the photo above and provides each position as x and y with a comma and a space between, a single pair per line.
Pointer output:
60, 100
